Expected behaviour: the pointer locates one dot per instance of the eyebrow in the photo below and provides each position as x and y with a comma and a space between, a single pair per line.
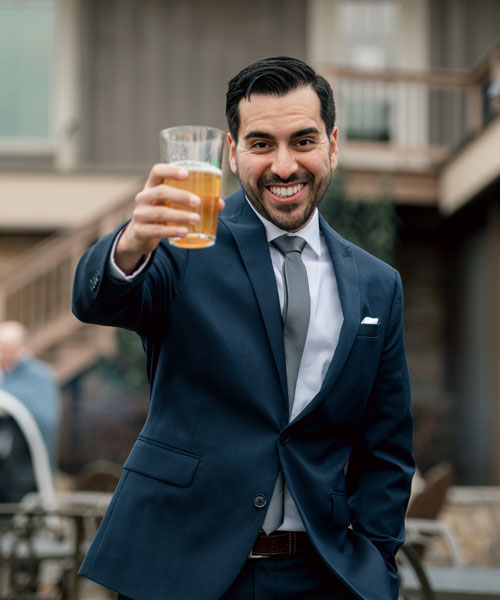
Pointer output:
259, 134
268, 136
306, 131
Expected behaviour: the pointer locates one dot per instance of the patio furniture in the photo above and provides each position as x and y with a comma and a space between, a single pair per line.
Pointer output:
445, 573
35, 535
30, 540
424, 532
46, 527
455, 582
410, 565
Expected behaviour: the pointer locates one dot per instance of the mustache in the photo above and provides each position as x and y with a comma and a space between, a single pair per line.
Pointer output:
268, 180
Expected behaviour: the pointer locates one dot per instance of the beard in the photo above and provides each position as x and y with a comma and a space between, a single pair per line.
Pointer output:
291, 216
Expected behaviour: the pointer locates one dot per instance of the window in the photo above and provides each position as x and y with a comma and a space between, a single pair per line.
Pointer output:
27, 71
370, 29
369, 41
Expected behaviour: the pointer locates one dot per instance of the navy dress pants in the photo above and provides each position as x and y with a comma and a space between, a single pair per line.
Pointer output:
305, 578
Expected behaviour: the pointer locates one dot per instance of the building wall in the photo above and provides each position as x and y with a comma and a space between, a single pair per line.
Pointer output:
151, 64
421, 260
450, 272
472, 321
462, 31
470, 381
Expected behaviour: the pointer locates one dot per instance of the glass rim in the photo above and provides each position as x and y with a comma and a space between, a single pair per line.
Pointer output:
179, 128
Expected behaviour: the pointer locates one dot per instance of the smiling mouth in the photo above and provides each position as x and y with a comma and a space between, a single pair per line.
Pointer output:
282, 191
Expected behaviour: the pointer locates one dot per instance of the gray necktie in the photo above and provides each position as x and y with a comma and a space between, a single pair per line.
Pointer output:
296, 310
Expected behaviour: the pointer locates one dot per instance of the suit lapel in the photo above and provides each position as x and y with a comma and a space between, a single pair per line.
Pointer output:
250, 237
346, 274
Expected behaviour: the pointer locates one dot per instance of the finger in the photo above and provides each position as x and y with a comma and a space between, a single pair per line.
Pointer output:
162, 171
148, 214
165, 194
157, 231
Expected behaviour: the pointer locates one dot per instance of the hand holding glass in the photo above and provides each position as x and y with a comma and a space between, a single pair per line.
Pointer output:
199, 150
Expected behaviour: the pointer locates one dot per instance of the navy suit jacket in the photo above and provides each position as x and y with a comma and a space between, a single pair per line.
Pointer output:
189, 505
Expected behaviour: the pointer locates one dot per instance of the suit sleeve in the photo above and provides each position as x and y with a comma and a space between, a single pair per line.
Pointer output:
102, 299
381, 464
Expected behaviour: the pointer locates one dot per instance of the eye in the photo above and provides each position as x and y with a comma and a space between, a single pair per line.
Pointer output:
260, 145
304, 142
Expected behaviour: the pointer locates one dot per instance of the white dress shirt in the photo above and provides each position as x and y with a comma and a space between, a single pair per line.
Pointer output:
324, 324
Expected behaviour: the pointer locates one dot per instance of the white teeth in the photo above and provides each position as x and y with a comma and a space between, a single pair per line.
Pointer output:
285, 192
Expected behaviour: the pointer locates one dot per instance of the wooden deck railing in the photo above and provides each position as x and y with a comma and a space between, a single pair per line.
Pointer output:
36, 288
419, 116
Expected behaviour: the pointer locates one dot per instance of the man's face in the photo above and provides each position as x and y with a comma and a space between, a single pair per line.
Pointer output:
283, 157
9, 354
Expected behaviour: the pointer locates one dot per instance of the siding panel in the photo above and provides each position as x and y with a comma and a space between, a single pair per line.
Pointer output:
151, 64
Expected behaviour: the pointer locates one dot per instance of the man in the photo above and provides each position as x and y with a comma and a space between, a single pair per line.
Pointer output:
233, 444
32, 382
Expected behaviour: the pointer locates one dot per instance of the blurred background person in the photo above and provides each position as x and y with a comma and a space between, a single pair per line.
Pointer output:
32, 382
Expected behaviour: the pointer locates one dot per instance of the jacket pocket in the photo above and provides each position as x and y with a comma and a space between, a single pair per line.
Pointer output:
369, 330
340, 510
165, 464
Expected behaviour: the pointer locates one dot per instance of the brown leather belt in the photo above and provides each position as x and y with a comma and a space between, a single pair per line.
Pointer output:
282, 544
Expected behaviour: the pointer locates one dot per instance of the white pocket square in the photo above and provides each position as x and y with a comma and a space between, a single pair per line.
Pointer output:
370, 321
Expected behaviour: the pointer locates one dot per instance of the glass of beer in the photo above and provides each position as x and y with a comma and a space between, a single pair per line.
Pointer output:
199, 150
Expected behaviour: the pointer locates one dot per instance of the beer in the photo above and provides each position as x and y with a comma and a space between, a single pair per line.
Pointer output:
198, 149
203, 180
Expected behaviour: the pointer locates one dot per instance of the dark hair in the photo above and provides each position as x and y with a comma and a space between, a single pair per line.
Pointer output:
277, 75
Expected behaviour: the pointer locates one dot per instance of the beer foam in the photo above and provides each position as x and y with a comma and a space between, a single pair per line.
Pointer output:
197, 165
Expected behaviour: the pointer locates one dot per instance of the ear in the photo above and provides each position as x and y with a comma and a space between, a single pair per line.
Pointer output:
232, 154
335, 151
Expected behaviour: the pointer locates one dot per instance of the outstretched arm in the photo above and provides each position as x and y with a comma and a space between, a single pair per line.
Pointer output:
101, 298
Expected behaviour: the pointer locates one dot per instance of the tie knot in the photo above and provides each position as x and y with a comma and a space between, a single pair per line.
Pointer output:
289, 243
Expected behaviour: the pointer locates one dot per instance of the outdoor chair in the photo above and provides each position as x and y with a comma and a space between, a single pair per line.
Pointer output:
410, 567
431, 538
428, 502
33, 544
422, 528
427, 574
30, 540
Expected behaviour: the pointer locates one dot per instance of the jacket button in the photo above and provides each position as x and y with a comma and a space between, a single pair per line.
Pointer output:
260, 501
94, 281
285, 437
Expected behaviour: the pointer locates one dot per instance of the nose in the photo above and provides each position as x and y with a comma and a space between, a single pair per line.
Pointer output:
284, 163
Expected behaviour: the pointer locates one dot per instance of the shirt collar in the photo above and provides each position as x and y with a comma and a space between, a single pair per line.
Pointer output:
310, 232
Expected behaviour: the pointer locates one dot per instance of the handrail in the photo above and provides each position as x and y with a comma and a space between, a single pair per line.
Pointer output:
440, 78
420, 116
36, 288
436, 77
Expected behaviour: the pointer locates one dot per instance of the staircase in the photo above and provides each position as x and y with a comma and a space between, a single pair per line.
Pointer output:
36, 290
